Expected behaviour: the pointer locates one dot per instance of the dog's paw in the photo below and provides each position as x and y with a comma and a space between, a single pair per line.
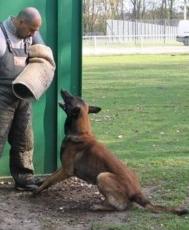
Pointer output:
36, 191
94, 207
101, 207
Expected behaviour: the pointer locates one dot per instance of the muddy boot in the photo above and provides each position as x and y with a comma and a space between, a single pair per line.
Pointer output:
27, 182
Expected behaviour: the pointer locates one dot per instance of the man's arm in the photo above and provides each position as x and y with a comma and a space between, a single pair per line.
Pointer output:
2, 44
37, 39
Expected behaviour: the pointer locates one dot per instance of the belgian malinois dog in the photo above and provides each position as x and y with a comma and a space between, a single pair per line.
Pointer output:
84, 157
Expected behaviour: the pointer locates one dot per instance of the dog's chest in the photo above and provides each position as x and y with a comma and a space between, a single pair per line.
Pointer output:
82, 168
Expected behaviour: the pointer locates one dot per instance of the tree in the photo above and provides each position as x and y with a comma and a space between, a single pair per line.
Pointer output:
96, 12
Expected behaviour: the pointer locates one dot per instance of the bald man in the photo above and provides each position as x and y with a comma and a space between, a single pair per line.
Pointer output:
16, 35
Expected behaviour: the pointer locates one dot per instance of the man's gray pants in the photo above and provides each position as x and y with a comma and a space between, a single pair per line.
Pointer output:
16, 127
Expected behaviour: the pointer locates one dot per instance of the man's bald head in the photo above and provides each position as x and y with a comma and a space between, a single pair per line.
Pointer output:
27, 22
29, 15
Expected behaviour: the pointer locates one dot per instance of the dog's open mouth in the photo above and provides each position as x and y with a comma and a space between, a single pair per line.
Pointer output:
62, 105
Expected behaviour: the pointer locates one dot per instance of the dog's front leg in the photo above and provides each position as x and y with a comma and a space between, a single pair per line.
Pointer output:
54, 178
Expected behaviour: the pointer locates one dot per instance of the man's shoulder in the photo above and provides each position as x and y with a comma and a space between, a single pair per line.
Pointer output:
2, 43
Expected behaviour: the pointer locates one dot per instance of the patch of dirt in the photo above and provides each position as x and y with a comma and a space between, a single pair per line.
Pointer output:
64, 206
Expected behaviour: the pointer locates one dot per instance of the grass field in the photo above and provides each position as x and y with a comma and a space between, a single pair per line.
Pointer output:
145, 121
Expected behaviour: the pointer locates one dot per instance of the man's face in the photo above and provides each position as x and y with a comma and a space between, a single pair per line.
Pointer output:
26, 29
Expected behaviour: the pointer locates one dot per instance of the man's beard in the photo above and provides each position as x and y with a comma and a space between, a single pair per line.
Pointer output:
20, 35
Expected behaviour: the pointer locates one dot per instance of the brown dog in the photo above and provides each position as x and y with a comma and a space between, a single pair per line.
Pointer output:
84, 157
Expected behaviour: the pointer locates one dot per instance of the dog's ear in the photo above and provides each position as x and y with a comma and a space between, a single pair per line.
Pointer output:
75, 111
94, 109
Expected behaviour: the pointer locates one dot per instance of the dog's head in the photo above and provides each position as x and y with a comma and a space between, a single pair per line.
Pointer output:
74, 105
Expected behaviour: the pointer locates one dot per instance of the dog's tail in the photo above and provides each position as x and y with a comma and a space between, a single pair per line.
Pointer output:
141, 200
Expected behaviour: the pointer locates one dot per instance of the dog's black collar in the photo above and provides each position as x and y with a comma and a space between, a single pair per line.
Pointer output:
74, 138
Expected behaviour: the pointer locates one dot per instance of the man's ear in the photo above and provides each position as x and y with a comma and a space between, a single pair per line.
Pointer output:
75, 111
94, 109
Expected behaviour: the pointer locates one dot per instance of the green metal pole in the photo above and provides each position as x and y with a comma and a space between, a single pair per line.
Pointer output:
76, 61
61, 30
50, 114
69, 52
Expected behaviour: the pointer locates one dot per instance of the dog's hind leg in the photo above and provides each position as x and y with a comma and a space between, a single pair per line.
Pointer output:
54, 178
113, 191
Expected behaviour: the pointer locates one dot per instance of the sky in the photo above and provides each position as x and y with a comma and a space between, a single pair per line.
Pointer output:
178, 4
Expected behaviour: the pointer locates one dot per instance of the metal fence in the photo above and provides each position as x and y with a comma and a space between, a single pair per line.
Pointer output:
130, 40
137, 39
146, 28
122, 44
130, 36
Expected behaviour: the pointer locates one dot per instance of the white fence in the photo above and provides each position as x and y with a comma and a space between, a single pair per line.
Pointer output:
138, 38
135, 37
130, 28
129, 40
123, 44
